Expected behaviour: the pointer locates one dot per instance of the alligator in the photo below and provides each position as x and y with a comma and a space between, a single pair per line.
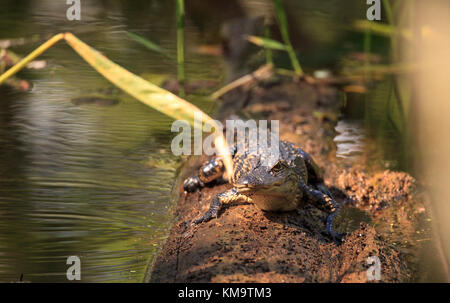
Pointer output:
275, 184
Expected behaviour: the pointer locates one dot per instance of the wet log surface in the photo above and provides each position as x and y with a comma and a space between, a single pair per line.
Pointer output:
245, 244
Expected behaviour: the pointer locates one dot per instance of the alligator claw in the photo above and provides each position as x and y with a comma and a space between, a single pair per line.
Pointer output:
337, 237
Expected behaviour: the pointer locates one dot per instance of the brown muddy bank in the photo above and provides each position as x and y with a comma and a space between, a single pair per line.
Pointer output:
384, 213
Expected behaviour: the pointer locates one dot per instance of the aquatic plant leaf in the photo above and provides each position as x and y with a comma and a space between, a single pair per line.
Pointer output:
267, 43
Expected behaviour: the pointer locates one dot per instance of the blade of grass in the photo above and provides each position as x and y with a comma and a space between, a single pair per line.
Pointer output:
283, 25
267, 43
16, 68
381, 29
180, 44
149, 44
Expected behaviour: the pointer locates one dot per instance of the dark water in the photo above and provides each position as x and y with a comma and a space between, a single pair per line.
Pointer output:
94, 181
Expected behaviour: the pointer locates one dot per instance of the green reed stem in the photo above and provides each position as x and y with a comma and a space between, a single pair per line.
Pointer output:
367, 49
268, 51
282, 22
389, 12
180, 44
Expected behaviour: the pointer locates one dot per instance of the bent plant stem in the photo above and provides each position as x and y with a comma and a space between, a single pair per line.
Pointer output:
146, 92
37, 52
261, 73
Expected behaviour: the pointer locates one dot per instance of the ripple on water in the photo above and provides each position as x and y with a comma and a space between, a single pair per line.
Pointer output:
350, 140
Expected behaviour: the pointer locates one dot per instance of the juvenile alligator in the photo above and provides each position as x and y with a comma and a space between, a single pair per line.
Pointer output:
280, 186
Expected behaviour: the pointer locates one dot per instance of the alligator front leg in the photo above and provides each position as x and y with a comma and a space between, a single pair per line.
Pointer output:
228, 196
324, 202
210, 171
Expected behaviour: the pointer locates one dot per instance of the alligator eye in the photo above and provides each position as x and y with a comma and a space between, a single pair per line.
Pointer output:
277, 167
